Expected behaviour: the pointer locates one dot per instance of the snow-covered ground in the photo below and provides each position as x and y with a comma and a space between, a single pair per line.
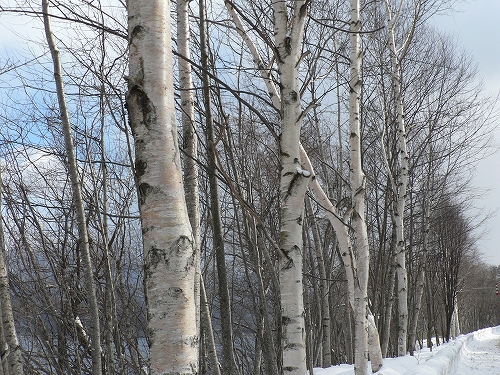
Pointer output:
477, 353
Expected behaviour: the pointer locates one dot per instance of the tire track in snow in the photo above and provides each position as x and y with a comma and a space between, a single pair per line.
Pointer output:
481, 354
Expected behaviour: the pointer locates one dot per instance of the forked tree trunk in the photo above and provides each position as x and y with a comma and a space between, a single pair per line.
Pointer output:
169, 246
337, 222
13, 363
95, 334
403, 175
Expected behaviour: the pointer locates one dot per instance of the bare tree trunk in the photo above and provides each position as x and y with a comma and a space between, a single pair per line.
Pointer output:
190, 142
206, 323
229, 366
416, 311
339, 226
294, 180
191, 184
169, 246
4, 348
357, 183
402, 179
326, 359
386, 333
95, 334
11, 355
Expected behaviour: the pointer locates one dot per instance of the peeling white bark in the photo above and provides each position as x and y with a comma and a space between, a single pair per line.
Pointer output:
169, 248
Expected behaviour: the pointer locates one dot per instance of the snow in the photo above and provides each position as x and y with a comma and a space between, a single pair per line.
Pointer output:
477, 353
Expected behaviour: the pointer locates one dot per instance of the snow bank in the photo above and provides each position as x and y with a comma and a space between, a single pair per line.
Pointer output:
444, 362
445, 359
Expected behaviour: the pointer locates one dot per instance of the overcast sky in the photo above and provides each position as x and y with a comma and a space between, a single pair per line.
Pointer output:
476, 25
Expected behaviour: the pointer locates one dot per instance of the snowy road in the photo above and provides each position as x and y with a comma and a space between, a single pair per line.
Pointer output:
477, 353
481, 355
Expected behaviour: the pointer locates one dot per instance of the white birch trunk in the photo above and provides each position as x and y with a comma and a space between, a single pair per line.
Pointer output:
357, 182
95, 333
190, 143
169, 248
331, 212
12, 351
455, 324
294, 180
402, 181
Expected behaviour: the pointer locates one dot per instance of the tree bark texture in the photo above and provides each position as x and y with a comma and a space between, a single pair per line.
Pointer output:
293, 184
326, 357
169, 246
190, 141
95, 334
357, 183
402, 179
11, 355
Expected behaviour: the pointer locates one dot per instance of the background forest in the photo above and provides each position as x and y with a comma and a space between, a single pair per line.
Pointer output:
411, 74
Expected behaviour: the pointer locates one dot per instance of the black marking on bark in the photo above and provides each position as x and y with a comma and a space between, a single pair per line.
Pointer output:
299, 220
303, 10
140, 168
292, 346
285, 320
155, 256
175, 292
293, 96
143, 190
289, 263
191, 341
136, 31
289, 368
296, 160
148, 110
292, 184
151, 334
288, 45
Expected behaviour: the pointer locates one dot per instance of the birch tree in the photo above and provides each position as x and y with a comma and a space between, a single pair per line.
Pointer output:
349, 257
11, 358
288, 31
169, 248
400, 187
288, 36
357, 181
191, 183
